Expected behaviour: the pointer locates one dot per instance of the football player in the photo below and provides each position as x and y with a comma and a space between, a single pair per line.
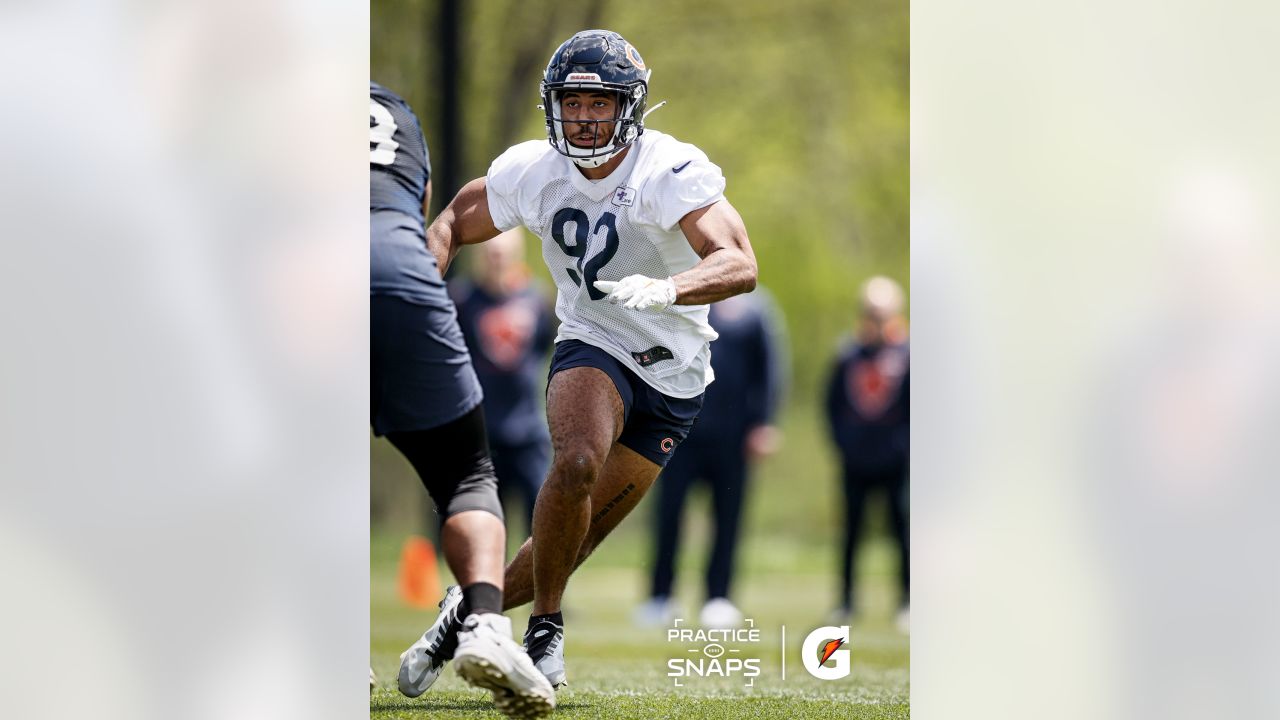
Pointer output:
426, 400
639, 238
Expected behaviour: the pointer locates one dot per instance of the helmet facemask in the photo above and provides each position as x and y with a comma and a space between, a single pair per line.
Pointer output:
628, 120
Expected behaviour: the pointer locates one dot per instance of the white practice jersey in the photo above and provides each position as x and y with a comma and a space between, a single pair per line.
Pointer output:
625, 224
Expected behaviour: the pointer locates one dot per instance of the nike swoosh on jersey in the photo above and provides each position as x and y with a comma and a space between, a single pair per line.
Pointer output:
677, 170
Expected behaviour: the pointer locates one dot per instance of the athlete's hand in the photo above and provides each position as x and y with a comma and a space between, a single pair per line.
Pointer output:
637, 292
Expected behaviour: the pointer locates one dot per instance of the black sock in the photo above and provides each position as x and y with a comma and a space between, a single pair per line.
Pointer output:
481, 597
554, 617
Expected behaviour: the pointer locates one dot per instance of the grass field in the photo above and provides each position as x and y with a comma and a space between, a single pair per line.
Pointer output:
619, 671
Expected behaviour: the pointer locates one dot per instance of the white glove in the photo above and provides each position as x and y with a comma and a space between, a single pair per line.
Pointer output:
637, 292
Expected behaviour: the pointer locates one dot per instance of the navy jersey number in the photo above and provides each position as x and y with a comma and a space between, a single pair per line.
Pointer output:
588, 270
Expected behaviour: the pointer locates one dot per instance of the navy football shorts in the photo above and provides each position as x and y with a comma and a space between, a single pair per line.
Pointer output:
420, 373
653, 423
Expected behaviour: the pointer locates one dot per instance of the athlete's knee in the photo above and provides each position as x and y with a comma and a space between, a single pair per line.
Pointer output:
576, 468
453, 462
477, 491
472, 487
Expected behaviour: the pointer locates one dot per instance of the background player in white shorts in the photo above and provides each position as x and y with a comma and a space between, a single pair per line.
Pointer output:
639, 238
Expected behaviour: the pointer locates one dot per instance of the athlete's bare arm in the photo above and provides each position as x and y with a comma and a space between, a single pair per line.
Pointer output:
466, 221
728, 265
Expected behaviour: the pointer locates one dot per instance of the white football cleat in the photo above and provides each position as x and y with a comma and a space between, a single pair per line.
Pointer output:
423, 662
544, 641
656, 612
720, 614
488, 658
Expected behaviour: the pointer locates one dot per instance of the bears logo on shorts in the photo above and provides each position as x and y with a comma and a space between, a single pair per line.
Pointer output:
667, 444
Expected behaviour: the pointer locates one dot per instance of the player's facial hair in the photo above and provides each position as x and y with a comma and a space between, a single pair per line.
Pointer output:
596, 134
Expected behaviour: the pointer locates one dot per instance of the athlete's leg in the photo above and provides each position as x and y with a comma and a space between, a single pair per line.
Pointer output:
474, 543
503, 467
453, 462
585, 415
626, 477
470, 630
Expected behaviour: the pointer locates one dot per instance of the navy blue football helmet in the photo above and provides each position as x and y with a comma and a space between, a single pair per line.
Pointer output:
598, 60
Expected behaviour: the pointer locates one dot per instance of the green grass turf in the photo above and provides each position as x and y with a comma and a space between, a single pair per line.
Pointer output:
619, 671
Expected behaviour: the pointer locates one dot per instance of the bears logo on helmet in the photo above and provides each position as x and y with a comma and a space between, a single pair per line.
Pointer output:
634, 56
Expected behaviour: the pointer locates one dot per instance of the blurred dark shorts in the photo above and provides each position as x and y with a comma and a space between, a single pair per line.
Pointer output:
653, 424
420, 373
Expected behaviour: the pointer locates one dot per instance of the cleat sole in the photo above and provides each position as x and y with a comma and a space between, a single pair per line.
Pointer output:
512, 702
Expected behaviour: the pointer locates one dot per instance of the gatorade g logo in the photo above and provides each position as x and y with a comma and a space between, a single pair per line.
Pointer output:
825, 653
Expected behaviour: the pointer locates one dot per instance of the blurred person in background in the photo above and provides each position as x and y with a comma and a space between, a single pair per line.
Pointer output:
1179, 458
868, 408
509, 330
425, 399
734, 429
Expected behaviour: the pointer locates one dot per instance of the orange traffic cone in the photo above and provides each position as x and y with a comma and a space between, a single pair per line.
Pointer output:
419, 578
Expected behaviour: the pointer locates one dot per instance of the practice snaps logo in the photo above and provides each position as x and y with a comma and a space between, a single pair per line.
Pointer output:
724, 653
825, 652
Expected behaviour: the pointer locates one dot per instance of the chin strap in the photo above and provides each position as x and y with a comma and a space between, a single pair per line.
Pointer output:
594, 162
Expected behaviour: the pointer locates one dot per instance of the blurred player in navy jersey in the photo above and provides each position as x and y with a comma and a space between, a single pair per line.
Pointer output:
639, 238
868, 407
426, 400
509, 329
734, 429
